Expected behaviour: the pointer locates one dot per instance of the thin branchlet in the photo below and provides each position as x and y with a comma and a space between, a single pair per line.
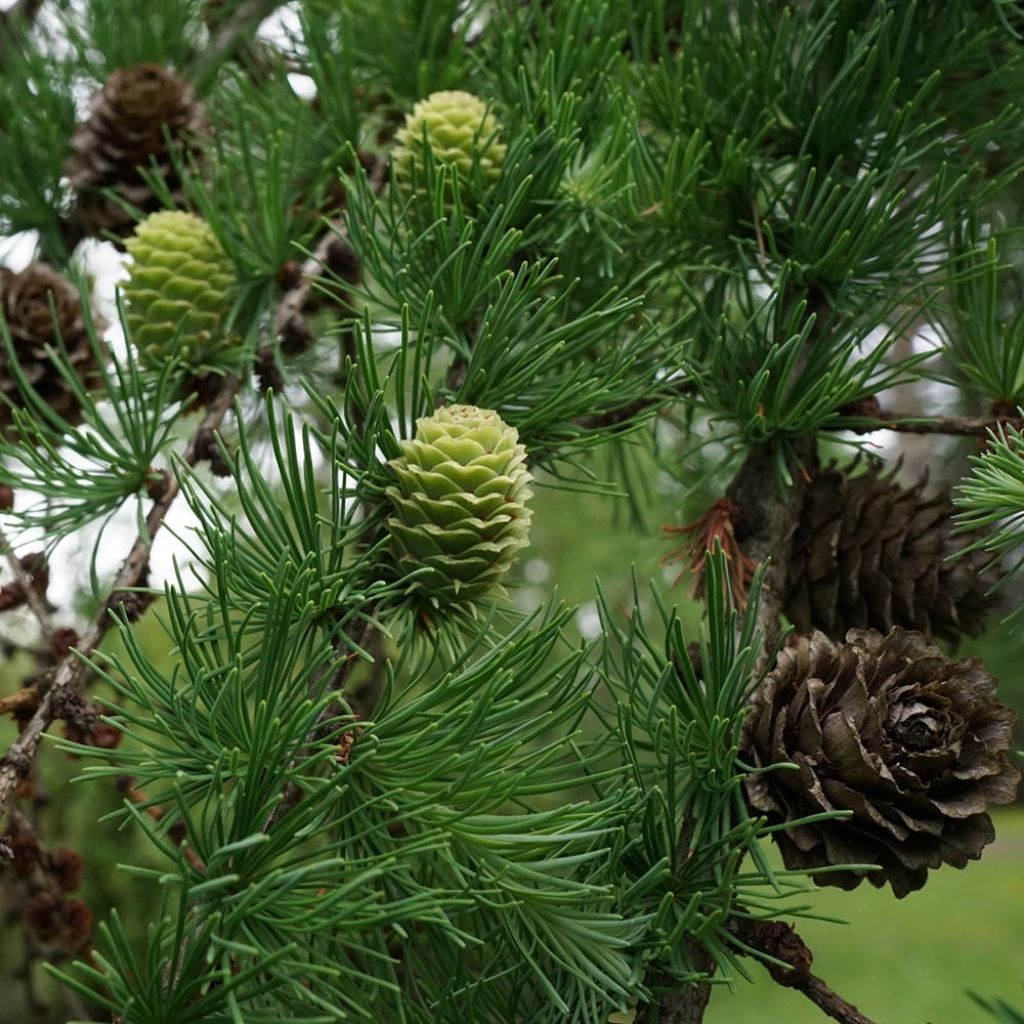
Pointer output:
70, 672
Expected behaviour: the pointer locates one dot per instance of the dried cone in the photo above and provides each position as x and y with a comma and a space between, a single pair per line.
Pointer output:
132, 118
462, 133
459, 504
25, 301
179, 291
916, 747
869, 553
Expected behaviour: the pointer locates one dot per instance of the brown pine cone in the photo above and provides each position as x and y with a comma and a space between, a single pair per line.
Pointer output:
130, 121
25, 304
915, 746
869, 553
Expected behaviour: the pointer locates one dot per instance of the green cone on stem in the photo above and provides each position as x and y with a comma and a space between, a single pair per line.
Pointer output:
179, 290
459, 504
462, 134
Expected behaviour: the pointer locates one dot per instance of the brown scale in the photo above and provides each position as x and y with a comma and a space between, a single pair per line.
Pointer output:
917, 748
132, 120
869, 553
25, 303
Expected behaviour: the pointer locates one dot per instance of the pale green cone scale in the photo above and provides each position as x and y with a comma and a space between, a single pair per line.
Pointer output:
459, 504
179, 290
462, 134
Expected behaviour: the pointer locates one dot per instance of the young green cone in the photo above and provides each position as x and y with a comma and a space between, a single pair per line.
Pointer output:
462, 134
459, 504
179, 290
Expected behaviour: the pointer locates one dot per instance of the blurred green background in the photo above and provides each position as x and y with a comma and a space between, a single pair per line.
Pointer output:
902, 962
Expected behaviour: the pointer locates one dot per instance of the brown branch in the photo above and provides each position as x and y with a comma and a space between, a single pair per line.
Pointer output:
23, 580
232, 33
333, 253
961, 426
684, 1004
766, 521
290, 323
767, 517
60, 693
781, 942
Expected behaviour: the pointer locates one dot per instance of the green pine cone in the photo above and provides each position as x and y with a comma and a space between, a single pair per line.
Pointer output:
179, 290
459, 503
462, 134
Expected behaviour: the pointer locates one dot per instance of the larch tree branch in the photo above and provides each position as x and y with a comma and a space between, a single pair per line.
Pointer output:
781, 943
957, 426
61, 697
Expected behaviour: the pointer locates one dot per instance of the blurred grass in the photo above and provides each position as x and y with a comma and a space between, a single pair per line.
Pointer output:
909, 961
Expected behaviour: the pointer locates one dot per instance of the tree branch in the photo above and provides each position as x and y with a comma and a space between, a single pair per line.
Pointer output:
766, 520
33, 597
963, 426
333, 253
242, 23
683, 1004
61, 697
290, 323
780, 941
768, 515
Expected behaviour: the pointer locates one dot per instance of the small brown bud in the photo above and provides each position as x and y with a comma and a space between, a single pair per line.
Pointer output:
24, 851
105, 736
12, 595
268, 375
296, 335
1002, 408
869, 408
342, 260
41, 915
63, 640
157, 484
289, 275
69, 704
220, 463
65, 868
131, 604
76, 935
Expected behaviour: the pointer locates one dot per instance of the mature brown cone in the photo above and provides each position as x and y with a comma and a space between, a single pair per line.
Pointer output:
915, 746
25, 305
869, 553
131, 119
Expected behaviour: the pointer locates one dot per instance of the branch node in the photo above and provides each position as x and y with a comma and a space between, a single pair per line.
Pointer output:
18, 762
